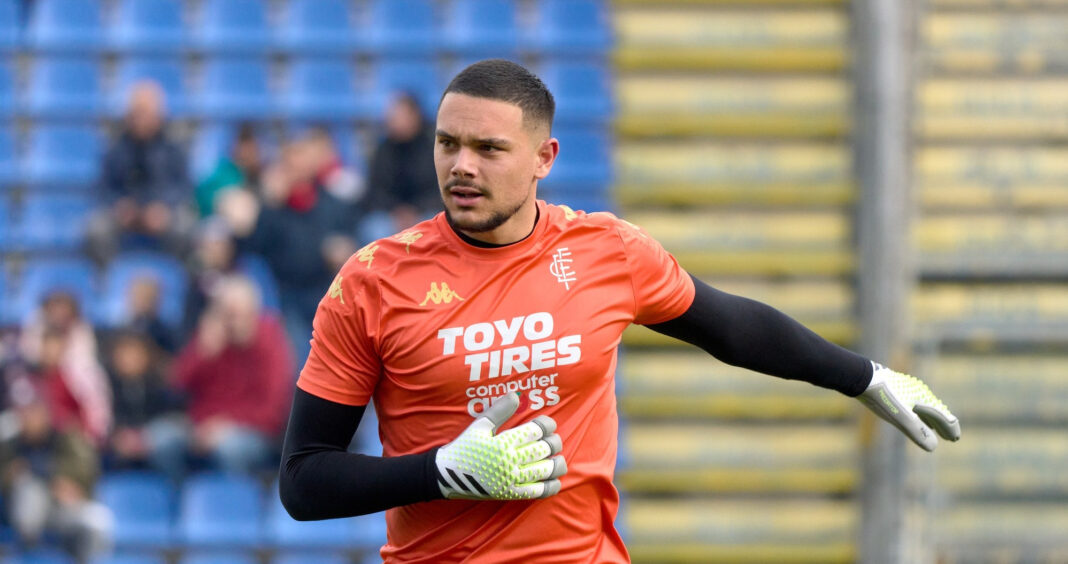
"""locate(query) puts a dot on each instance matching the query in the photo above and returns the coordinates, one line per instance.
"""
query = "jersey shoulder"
(567, 219)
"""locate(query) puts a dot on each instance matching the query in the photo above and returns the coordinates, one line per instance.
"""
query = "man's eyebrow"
(496, 141)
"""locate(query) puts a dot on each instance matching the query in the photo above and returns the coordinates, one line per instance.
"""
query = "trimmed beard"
(492, 222)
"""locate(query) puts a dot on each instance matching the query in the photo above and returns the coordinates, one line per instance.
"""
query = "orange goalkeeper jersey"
(432, 328)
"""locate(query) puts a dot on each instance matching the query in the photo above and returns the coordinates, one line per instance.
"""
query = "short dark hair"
(501, 79)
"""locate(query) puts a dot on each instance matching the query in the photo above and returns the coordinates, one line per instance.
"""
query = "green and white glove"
(908, 404)
(520, 463)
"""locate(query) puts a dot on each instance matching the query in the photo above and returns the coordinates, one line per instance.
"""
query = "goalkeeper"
(487, 336)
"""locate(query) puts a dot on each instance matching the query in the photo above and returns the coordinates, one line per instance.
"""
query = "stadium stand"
(731, 151)
(40, 276)
(234, 88)
(61, 155)
(10, 28)
(127, 268)
(64, 87)
(148, 27)
(476, 28)
(403, 27)
(991, 177)
(166, 71)
(144, 505)
(323, 89)
(66, 25)
(220, 511)
(52, 223)
(316, 27)
(9, 172)
(233, 26)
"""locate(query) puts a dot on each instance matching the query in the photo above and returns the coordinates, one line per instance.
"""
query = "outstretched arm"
(753, 335)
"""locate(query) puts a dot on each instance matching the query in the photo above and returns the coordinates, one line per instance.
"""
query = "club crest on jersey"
(561, 267)
(440, 294)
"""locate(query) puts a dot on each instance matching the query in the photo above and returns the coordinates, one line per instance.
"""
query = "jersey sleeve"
(344, 365)
(662, 289)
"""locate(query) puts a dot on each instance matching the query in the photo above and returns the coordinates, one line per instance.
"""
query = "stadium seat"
(220, 558)
(323, 88)
(144, 505)
(41, 276)
(166, 71)
(418, 76)
(482, 28)
(307, 557)
(210, 143)
(40, 556)
(64, 87)
(10, 24)
(571, 27)
(236, 88)
(318, 27)
(65, 25)
(220, 510)
(366, 532)
(9, 173)
(8, 97)
(127, 268)
(6, 233)
(582, 90)
(584, 161)
(62, 154)
(148, 26)
(54, 222)
(131, 559)
(403, 27)
(233, 26)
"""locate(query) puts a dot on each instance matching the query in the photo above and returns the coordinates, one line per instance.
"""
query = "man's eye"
(445, 142)
(489, 148)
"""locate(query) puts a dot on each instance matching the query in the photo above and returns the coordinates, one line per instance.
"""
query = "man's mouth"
(465, 195)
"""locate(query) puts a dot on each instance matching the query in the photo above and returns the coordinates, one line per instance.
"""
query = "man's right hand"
(520, 463)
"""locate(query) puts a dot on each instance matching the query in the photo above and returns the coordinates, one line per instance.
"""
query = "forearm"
(753, 335)
(320, 480)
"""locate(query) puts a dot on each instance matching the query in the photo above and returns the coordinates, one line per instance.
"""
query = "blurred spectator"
(144, 183)
(148, 414)
(299, 228)
(331, 174)
(143, 300)
(402, 177)
(47, 478)
(240, 169)
(58, 334)
(237, 375)
(214, 258)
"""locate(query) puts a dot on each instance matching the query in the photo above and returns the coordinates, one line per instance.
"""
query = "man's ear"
(546, 156)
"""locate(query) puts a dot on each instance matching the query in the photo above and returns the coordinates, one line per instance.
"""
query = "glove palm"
(908, 404)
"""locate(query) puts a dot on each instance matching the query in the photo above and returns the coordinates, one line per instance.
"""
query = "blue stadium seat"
(403, 27)
(64, 87)
(584, 162)
(40, 556)
(220, 510)
(236, 88)
(220, 558)
(9, 168)
(65, 25)
(234, 26)
(167, 71)
(8, 97)
(308, 557)
(148, 26)
(582, 90)
(54, 222)
(571, 27)
(323, 88)
(318, 27)
(62, 154)
(131, 559)
(41, 276)
(126, 268)
(10, 24)
(418, 76)
(482, 28)
(282, 531)
(210, 142)
(6, 234)
(144, 505)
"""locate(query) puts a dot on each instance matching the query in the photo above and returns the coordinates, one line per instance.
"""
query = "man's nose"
(465, 165)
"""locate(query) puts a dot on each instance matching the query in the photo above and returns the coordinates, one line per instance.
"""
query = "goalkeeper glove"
(516, 464)
(908, 404)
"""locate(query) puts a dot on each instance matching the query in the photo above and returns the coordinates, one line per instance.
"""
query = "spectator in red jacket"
(236, 372)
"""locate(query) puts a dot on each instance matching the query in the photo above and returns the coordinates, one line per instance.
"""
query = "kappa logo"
(439, 295)
(367, 254)
(561, 267)
(408, 237)
(335, 290)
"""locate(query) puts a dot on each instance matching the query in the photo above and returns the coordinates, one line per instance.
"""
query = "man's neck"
(487, 245)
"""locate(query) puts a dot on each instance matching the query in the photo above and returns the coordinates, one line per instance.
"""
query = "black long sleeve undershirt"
(746, 333)
(320, 480)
